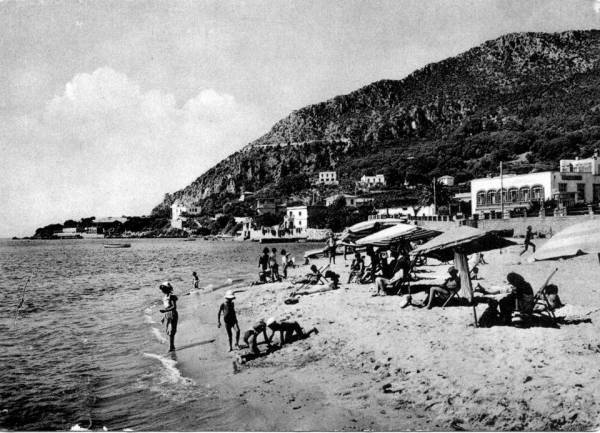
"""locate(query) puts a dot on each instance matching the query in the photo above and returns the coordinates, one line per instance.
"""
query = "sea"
(81, 344)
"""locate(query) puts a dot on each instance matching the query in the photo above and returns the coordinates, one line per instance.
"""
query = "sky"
(105, 106)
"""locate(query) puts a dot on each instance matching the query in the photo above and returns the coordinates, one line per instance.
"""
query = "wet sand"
(374, 365)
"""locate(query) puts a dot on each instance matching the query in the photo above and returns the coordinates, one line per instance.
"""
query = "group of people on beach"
(386, 269)
(288, 330)
(269, 268)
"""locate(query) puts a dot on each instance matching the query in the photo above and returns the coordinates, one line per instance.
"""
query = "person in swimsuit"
(170, 317)
(252, 334)
(274, 266)
(451, 284)
(227, 308)
(527, 243)
(196, 280)
(331, 247)
(287, 330)
(357, 268)
(263, 265)
(284, 263)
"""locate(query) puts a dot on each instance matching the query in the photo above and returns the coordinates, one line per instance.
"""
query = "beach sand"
(376, 366)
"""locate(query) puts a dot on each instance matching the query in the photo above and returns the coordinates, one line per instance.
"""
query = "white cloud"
(106, 146)
(597, 6)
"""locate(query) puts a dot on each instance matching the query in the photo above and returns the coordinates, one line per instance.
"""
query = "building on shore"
(405, 211)
(577, 182)
(298, 219)
(271, 205)
(180, 213)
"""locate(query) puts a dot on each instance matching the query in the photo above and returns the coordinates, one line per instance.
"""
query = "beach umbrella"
(396, 234)
(365, 228)
(457, 244)
(582, 238)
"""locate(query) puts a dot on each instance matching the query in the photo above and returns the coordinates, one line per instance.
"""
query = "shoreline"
(375, 366)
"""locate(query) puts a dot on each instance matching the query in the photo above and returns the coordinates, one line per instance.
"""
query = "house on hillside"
(298, 219)
(272, 205)
(327, 178)
(446, 180)
(349, 199)
(373, 181)
(180, 212)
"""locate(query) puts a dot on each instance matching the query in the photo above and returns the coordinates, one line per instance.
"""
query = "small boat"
(189, 239)
(117, 245)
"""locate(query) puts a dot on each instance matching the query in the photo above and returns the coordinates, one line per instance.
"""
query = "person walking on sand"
(170, 317)
(227, 308)
(195, 280)
(527, 243)
(287, 330)
(274, 266)
(331, 247)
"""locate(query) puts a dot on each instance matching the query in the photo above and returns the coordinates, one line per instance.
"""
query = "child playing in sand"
(252, 334)
(287, 330)
(230, 319)
(170, 317)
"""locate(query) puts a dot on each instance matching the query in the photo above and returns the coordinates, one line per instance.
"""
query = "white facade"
(296, 217)
(378, 179)
(177, 212)
(446, 180)
(328, 178)
(588, 165)
(520, 191)
(400, 211)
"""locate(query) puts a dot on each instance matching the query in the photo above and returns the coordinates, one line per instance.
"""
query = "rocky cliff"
(531, 94)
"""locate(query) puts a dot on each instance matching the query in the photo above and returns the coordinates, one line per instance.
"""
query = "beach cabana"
(582, 238)
(457, 244)
(366, 228)
(396, 234)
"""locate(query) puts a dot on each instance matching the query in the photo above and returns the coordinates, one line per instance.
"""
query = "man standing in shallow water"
(230, 319)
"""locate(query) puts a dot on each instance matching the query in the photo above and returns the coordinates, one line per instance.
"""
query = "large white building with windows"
(577, 182)
(328, 178)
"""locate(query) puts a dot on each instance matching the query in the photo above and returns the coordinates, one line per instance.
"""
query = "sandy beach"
(377, 366)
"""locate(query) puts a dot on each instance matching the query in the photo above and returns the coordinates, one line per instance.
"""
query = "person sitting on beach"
(315, 277)
(334, 278)
(287, 330)
(195, 280)
(274, 266)
(357, 268)
(388, 286)
(227, 308)
(252, 334)
(517, 295)
(551, 292)
(263, 266)
(374, 266)
(450, 285)
(171, 316)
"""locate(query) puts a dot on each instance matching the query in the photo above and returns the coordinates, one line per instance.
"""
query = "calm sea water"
(85, 348)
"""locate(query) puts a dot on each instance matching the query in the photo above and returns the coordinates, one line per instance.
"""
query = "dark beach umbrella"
(457, 244)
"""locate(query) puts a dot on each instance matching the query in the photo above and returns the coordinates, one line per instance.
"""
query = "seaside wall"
(546, 225)
(316, 234)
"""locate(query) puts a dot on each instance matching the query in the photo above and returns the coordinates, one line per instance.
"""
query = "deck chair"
(404, 283)
(453, 293)
(537, 305)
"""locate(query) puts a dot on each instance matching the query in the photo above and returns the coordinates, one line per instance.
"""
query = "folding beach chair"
(537, 305)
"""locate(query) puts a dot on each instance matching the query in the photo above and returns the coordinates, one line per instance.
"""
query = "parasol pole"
(461, 263)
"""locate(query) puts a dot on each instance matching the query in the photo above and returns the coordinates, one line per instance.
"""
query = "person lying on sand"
(287, 331)
(314, 277)
(450, 285)
(252, 334)
(230, 319)
(171, 316)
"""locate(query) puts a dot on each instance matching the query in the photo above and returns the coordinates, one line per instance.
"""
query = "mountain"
(523, 94)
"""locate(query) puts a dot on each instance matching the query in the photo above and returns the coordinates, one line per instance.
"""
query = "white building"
(328, 178)
(351, 200)
(370, 181)
(588, 165)
(490, 195)
(401, 211)
(446, 180)
(179, 213)
(296, 218)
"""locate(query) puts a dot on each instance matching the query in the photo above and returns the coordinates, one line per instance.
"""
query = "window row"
(512, 195)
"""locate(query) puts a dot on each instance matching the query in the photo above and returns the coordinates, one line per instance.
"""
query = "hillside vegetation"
(531, 94)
